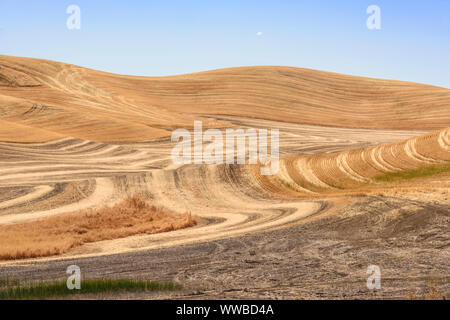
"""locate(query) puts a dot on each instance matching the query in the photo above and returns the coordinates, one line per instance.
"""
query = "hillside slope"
(51, 99)
(423, 156)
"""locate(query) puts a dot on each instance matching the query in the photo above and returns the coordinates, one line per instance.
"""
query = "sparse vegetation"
(59, 234)
(420, 172)
(14, 289)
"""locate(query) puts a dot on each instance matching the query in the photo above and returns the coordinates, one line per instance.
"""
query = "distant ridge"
(41, 100)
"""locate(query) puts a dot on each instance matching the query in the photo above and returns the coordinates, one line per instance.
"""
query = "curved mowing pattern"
(355, 167)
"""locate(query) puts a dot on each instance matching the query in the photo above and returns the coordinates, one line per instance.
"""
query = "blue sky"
(173, 37)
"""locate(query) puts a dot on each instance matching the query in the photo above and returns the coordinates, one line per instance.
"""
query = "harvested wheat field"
(364, 179)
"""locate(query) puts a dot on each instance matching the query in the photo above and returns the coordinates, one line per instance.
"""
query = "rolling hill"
(41, 100)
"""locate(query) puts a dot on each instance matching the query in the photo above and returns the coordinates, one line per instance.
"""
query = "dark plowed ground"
(328, 258)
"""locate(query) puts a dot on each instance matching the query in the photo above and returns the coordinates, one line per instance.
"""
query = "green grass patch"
(393, 258)
(14, 289)
(420, 172)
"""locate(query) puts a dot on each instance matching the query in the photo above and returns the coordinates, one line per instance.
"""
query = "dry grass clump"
(59, 234)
